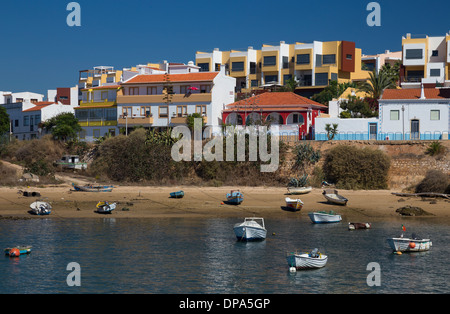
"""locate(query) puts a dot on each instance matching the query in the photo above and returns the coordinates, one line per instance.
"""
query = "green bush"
(434, 182)
(354, 168)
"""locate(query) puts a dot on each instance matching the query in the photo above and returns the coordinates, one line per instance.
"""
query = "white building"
(415, 114)
(26, 111)
(404, 114)
(161, 101)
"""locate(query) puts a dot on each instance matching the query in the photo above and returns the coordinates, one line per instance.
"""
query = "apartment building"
(376, 62)
(27, 111)
(425, 61)
(164, 100)
(312, 65)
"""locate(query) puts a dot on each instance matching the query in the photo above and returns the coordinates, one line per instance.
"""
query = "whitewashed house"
(26, 111)
(415, 114)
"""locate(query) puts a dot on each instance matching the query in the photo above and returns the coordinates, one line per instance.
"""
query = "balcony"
(135, 121)
(183, 119)
(160, 99)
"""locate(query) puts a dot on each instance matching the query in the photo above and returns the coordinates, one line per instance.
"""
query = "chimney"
(422, 93)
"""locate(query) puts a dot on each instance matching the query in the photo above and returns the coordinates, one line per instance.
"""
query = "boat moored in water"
(324, 217)
(251, 229)
(413, 244)
(313, 259)
(359, 225)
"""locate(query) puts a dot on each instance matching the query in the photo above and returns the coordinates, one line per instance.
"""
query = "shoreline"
(206, 202)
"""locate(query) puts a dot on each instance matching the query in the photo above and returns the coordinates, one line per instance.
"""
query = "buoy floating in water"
(14, 252)
(398, 252)
(292, 269)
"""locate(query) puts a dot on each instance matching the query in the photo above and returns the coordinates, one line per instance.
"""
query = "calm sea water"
(202, 256)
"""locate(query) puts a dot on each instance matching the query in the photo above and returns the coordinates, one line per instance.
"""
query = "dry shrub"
(435, 182)
(36, 156)
(8, 176)
(355, 168)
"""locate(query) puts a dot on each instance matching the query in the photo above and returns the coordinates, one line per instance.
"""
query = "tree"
(4, 121)
(377, 83)
(331, 130)
(190, 119)
(290, 85)
(392, 71)
(63, 126)
(334, 90)
(355, 107)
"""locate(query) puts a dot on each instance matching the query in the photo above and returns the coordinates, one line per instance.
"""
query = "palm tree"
(377, 83)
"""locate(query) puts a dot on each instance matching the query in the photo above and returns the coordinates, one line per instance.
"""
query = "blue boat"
(18, 250)
(235, 197)
(177, 194)
(93, 188)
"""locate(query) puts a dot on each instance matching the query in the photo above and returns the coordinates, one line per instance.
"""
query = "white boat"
(324, 217)
(334, 197)
(412, 244)
(313, 259)
(299, 190)
(251, 229)
(40, 208)
(295, 204)
(105, 207)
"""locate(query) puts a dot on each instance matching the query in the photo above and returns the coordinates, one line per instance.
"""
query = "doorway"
(415, 135)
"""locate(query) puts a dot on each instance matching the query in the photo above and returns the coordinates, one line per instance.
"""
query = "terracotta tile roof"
(39, 105)
(160, 78)
(275, 101)
(414, 93)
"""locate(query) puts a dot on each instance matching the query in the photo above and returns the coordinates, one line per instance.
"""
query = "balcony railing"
(135, 120)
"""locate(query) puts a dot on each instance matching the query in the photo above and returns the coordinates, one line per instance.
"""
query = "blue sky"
(38, 51)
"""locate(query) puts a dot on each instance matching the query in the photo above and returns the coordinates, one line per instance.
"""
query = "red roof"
(161, 78)
(414, 93)
(39, 105)
(275, 101)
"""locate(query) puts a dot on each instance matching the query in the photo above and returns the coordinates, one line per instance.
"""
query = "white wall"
(420, 110)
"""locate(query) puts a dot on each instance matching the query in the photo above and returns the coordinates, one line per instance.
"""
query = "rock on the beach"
(412, 211)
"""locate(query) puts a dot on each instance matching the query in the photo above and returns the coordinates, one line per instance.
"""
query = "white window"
(435, 115)
(395, 114)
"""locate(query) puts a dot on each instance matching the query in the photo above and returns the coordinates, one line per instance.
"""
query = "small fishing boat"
(294, 204)
(299, 190)
(18, 250)
(251, 229)
(93, 188)
(359, 225)
(334, 197)
(313, 259)
(105, 207)
(235, 197)
(413, 244)
(324, 217)
(40, 208)
(177, 194)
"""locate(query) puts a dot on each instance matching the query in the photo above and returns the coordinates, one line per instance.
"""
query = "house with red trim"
(293, 113)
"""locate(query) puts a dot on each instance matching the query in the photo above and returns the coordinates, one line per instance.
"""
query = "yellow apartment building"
(425, 60)
(312, 65)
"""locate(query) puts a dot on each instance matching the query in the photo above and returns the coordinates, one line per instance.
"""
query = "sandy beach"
(207, 202)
